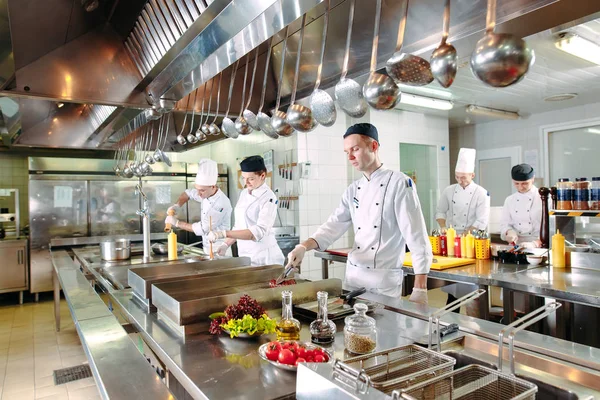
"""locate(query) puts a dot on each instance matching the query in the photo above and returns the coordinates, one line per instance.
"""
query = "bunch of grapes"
(215, 325)
(273, 283)
(246, 305)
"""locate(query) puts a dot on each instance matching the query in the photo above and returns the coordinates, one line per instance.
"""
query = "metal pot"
(162, 248)
(115, 250)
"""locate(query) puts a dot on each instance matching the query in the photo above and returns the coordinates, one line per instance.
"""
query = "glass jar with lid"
(564, 198)
(360, 332)
(581, 194)
(595, 194)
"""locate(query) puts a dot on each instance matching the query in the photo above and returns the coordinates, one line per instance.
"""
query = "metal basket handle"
(445, 310)
(360, 379)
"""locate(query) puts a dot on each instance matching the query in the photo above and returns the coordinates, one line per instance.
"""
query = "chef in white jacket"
(214, 204)
(254, 214)
(464, 206)
(522, 211)
(385, 213)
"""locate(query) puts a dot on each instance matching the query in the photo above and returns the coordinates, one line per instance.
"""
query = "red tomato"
(272, 351)
(286, 357)
(326, 357)
(286, 345)
(309, 353)
(310, 359)
(299, 360)
(319, 358)
(318, 351)
(301, 352)
(295, 346)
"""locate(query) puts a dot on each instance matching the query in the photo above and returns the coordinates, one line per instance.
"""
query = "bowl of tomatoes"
(288, 354)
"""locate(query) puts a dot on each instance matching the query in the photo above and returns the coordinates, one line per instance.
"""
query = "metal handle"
(449, 308)
(266, 75)
(360, 380)
(323, 40)
(298, 57)
(348, 39)
(283, 50)
(375, 37)
(402, 29)
(253, 76)
(518, 326)
(20, 258)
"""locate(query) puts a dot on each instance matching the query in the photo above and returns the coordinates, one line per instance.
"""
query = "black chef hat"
(363, 129)
(522, 172)
(253, 164)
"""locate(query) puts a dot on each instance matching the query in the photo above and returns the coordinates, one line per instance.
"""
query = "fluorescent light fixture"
(579, 47)
(425, 91)
(491, 112)
(594, 130)
(428, 102)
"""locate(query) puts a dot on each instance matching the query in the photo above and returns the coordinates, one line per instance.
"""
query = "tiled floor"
(31, 349)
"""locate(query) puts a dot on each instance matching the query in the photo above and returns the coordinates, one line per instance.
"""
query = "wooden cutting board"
(340, 252)
(442, 262)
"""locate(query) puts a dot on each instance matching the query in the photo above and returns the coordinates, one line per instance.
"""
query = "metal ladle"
(199, 135)
(379, 90)
(298, 116)
(159, 154)
(278, 121)
(248, 114)
(241, 125)
(444, 60)
(321, 103)
(500, 59)
(264, 121)
(348, 93)
(191, 138)
(228, 126)
(205, 126)
(180, 138)
(213, 128)
(406, 68)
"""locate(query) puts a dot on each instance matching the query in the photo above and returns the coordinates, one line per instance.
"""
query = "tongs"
(284, 274)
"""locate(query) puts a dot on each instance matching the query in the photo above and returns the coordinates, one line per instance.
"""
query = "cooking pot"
(115, 250)
(162, 248)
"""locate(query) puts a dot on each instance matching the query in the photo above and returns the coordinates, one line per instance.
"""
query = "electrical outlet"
(305, 170)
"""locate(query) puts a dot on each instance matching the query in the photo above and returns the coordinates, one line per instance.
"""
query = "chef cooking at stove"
(384, 210)
(522, 211)
(215, 204)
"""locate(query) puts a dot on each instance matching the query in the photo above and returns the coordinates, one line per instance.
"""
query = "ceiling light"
(428, 102)
(594, 130)
(561, 97)
(425, 91)
(491, 112)
(579, 47)
(60, 105)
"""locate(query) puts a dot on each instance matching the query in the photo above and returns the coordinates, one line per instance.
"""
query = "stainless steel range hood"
(126, 54)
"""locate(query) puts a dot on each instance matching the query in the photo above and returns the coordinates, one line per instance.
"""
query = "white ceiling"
(554, 72)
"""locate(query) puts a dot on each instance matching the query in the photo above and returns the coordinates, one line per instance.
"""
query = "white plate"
(263, 348)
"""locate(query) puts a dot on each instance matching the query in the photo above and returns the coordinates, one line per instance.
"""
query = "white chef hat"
(466, 161)
(207, 173)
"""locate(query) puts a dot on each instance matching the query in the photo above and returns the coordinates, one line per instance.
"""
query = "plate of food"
(288, 354)
(247, 319)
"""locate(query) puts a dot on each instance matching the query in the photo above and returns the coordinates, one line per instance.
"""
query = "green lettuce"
(250, 325)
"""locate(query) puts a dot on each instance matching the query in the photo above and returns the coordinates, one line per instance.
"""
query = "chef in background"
(522, 211)
(383, 209)
(213, 202)
(254, 214)
(465, 206)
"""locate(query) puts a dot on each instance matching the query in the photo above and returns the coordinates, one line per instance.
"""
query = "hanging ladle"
(200, 135)
(298, 116)
(205, 126)
(278, 121)
(444, 60)
(180, 138)
(159, 154)
(321, 103)
(213, 128)
(348, 93)
(191, 138)
(241, 125)
(228, 126)
(379, 90)
(264, 121)
(248, 114)
(500, 59)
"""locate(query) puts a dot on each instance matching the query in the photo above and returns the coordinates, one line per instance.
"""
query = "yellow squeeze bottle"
(470, 245)
(450, 236)
(172, 245)
(558, 250)
(463, 247)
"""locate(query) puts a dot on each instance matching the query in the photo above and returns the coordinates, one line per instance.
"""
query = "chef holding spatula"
(385, 212)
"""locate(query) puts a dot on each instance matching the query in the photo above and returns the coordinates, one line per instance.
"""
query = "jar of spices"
(360, 333)
(564, 194)
(595, 194)
(581, 194)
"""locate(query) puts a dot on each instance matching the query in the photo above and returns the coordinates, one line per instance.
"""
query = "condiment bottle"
(444, 245)
(450, 236)
(288, 328)
(322, 330)
(457, 247)
(463, 246)
(470, 245)
(360, 333)
(558, 250)
(595, 194)
(564, 194)
(581, 194)
(172, 245)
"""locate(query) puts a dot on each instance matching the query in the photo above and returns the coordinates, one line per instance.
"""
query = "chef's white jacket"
(462, 208)
(522, 212)
(257, 212)
(217, 206)
(386, 215)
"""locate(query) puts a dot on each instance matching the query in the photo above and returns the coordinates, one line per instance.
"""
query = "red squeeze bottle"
(444, 245)
(457, 247)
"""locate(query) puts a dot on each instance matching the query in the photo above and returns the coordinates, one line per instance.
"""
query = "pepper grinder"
(545, 225)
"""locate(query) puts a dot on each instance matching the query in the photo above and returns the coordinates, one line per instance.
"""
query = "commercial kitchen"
(341, 199)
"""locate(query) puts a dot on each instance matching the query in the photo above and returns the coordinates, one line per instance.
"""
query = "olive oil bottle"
(288, 328)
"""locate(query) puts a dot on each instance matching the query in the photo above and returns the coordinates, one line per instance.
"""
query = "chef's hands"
(171, 220)
(222, 249)
(419, 296)
(532, 245)
(175, 208)
(213, 236)
(511, 236)
(295, 256)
